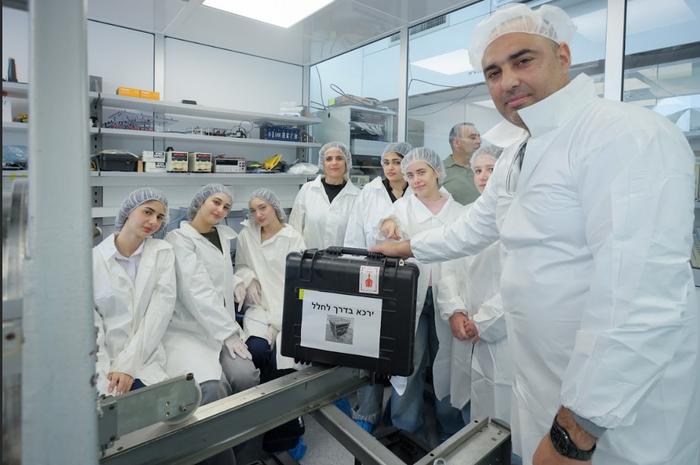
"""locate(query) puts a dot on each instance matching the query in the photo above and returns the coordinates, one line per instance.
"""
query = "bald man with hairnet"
(601, 310)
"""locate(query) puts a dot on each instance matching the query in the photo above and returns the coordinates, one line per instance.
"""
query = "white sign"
(369, 279)
(341, 323)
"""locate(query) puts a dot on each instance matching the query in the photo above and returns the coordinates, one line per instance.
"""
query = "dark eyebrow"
(511, 57)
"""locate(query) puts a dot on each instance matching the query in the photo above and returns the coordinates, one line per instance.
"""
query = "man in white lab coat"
(600, 305)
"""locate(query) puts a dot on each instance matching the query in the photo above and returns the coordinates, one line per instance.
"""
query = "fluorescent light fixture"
(283, 13)
(450, 63)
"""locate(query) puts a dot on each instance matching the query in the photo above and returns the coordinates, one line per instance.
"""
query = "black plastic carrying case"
(349, 307)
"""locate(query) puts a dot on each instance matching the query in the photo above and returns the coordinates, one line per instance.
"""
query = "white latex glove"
(236, 347)
(254, 292)
(271, 335)
(239, 295)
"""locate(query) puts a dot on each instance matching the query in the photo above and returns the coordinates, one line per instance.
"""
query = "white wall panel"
(222, 78)
(123, 57)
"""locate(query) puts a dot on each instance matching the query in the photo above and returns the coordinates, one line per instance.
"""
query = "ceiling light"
(450, 63)
(283, 13)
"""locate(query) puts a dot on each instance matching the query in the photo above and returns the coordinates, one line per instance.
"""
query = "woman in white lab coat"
(470, 300)
(427, 207)
(261, 253)
(204, 335)
(322, 206)
(374, 203)
(134, 295)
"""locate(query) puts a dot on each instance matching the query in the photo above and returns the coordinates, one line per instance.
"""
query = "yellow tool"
(272, 162)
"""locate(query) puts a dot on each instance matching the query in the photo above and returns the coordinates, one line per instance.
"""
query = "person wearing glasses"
(373, 204)
(601, 310)
(464, 141)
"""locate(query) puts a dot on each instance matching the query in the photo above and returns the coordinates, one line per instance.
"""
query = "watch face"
(560, 439)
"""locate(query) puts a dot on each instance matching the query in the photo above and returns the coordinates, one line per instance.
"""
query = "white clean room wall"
(222, 78)
(123, 57)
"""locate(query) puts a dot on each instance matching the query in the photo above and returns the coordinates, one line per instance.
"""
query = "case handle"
(353, 251)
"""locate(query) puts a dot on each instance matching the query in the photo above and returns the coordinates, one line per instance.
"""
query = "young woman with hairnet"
(374, 203)
(261, 255)
(469, 299)
(428, 206)
(134, 294)
(322, 206)
(204, 337)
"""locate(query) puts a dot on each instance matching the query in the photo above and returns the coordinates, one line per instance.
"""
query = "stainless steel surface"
(171, 401)
(365, 447)
(481, 442)
(14, 240)
(230, 421)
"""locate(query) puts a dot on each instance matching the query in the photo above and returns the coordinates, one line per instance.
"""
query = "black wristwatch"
(564, 445)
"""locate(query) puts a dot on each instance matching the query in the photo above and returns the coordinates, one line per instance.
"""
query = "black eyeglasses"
(513, 172)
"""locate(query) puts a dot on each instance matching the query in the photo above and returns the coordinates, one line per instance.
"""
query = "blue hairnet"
(136, 198)
(428, 156)
(269, 197)
(492, 151)
(402, 148)
(203, 194)
(335, 145)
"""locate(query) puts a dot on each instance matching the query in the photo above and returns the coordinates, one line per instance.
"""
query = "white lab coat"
(473, 284)
(321, 223)
(601, 310)
(412, 217)
(131, 317)
(204, 312)
(266, 262)
(371, 206)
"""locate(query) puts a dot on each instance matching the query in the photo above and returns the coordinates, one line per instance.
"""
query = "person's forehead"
(222, 197)
(417, 165)
(392, 156)
(154, 205)
(502, 48)
(334, 152)
(484, 159)
(255, 202)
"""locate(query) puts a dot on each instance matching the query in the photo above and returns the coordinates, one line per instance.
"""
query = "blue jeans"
(369, 403)
(407, 409)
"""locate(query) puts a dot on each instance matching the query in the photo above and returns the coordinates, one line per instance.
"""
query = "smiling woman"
(134, 289)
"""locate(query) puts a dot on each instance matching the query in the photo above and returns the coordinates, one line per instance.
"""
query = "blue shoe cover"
(298, 451)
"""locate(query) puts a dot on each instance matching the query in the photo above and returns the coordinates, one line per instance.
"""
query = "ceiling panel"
(339, 27)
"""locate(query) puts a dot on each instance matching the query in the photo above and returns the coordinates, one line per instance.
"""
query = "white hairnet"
(136, 198)
(402, 148)
(492, 151)
(269, 197)
(429, 156)
(203, 194)
(548, 21)
(335, 145)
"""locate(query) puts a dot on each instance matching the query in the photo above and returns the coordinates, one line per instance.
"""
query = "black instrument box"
(351, 308)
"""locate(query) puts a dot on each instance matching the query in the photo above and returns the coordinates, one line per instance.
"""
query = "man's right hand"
(390, 229)
(394, 249)
(458, 325)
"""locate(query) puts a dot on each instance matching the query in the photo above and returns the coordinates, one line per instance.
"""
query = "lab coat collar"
(286, 231)
(422, 213)
(225, 232)
(555, 110)
(108, 249)
(348, 189)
